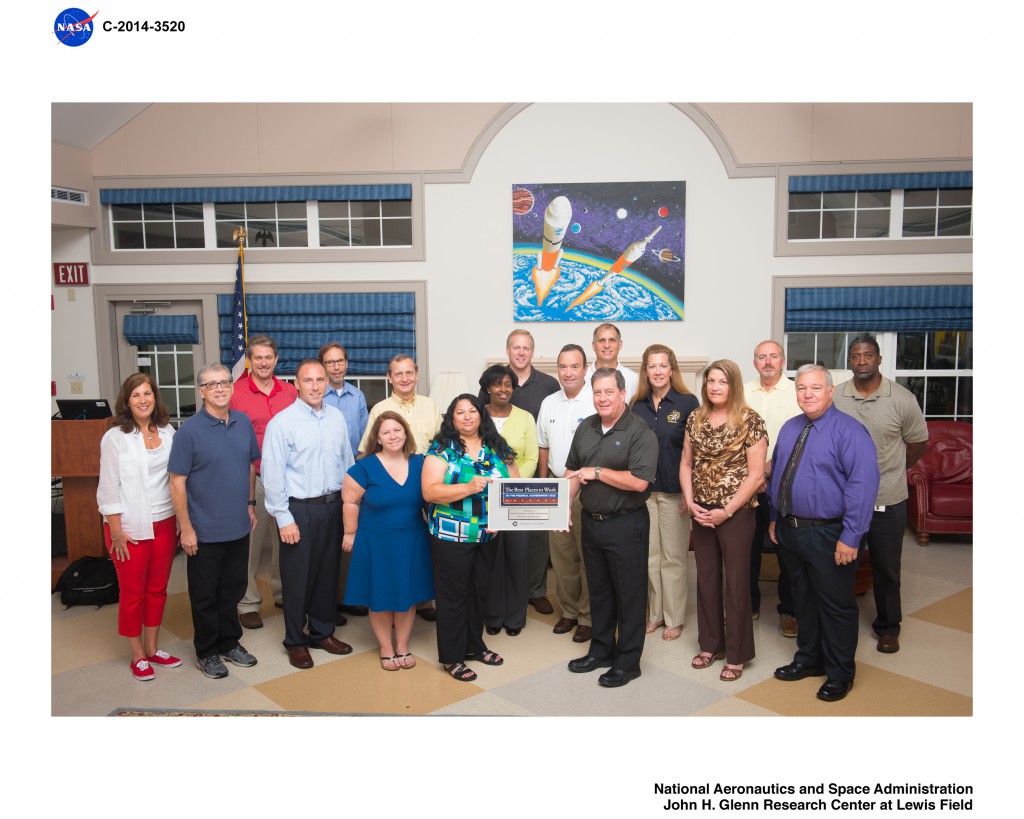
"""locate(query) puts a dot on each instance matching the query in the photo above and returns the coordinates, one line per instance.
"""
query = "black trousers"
(823, 595)
(507, 558)
(218, 574)
(885, 540)
(460, 582)
(762, 517)
(309, 573)
(615, 558)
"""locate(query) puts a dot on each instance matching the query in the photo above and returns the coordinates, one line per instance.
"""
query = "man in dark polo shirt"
(612, 461)
(534, 387)
(212, 469)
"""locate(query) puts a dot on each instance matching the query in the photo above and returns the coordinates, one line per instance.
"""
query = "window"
(820, 213)
(371, 224)
(839, 215)
(270, 224)
(936, 366)
(171, 366)
(157, 226)
(285, 217)
(938, 212)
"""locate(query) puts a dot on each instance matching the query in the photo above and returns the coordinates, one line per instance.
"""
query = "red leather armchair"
(941, 484)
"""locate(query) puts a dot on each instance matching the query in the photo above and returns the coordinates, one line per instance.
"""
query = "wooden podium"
(75, 458)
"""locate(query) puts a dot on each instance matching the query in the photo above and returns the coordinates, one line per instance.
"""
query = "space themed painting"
(601, 251)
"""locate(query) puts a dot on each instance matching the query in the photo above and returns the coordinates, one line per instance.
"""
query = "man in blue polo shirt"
(352, 404)
(212, 469)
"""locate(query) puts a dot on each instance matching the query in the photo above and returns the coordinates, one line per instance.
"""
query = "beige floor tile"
(876, 693)
(359, 686)
(955, 611)
(734, 707)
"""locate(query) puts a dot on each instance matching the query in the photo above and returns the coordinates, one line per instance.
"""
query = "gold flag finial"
(239, 235)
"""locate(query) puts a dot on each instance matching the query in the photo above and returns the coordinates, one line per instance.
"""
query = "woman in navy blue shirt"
(664, 402)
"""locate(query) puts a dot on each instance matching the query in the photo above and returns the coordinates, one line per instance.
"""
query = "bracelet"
(728, 514)
(351, 533)
(117, 537)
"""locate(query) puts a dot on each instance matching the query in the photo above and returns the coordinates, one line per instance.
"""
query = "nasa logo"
(73, 27)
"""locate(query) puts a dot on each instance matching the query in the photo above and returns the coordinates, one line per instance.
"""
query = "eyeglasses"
(212, 385)
(335, 362)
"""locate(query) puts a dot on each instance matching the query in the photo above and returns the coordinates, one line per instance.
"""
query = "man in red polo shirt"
(261, 396)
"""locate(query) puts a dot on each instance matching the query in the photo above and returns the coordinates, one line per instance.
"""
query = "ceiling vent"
(68, 195)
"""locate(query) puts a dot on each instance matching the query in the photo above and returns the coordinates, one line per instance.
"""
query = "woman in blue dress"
(386, 532)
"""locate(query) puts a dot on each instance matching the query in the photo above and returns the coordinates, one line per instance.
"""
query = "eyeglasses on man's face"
(214, 385)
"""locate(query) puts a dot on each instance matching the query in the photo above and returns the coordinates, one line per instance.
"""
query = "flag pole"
(239, 235)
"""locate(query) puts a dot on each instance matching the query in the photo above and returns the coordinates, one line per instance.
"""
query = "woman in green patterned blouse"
(465, 455)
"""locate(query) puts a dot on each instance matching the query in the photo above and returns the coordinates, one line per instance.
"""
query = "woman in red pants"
(134, 498)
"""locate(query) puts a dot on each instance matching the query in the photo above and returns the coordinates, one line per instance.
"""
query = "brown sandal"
(730, 673)
(671, 632)
(704, 660)
(389, 663)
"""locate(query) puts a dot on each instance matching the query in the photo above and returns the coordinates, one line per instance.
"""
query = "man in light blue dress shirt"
(306, 453)
(352, 403)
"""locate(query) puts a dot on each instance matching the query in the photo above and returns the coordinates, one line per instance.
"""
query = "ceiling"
(85, 125)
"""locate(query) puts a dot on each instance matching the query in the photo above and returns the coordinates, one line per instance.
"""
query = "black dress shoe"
(797, 671)
(581, 665)
(834, 690)
(492, 630)
(617, 677)
(340, 619)
(513, 632)
(355, 611)
(429, 614)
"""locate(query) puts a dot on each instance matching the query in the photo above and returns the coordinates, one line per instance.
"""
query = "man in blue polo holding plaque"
(612, 461)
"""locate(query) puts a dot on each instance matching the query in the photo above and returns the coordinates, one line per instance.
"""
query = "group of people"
(405, 527)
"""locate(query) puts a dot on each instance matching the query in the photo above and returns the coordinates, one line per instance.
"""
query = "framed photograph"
(528, 503)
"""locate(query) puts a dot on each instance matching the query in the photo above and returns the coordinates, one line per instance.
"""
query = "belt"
(799, 523)
(331, 498)
(597, 516)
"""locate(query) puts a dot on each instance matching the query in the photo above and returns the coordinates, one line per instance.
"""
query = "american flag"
(239, 321)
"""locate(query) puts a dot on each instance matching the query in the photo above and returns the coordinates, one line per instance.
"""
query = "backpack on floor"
(89, 581)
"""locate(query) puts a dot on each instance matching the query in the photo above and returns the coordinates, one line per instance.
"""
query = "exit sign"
(71, 274)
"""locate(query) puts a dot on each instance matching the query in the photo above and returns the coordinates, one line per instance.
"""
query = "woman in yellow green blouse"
(506, 556)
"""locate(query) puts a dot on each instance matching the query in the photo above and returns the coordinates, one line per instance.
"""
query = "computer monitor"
(80, 409)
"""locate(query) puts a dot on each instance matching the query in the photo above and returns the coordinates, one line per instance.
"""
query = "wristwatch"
(597, 473)
(252, 502)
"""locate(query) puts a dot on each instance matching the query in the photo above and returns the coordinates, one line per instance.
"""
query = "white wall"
(73, 326)
(729, 261)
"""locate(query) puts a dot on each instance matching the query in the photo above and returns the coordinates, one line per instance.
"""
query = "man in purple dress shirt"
(824, 480)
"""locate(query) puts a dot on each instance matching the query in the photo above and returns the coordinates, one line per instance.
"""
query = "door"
(173, 366)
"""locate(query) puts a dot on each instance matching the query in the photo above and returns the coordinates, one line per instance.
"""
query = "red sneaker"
(163, 659)
(142, 670)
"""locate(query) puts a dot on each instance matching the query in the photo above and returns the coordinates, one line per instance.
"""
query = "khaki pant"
(266, 529)
(567, 561)
(668, 560)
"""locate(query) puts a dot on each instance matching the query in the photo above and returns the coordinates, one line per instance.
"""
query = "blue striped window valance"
(372, 327)
(140, 330)
(910, 309)
(881, 181)
(281, 193)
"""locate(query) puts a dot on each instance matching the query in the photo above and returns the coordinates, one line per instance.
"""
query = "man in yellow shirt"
(419, 412)
(772, 396)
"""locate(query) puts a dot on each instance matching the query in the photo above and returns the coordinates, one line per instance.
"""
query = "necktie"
(786, 486)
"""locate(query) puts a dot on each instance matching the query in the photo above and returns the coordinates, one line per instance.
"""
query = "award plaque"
(540, 504)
